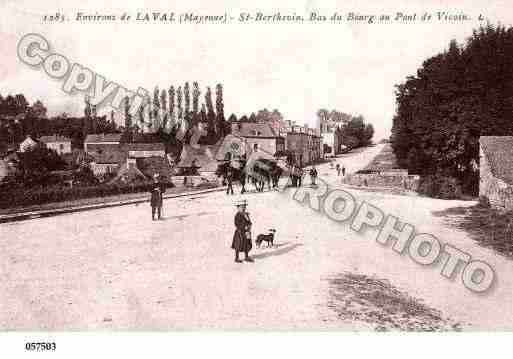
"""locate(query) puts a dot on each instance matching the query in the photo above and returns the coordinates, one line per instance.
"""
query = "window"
(61, 147)
(255, 147)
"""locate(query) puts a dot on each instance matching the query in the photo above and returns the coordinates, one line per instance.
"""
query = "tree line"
(173, 112)
(455, 97)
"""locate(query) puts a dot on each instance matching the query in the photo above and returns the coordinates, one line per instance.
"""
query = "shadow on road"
(277, 252)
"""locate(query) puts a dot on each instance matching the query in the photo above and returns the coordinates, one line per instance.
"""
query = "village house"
(98, 143)
(259, 137)
(145, 158)
(27, 144)
(305, 144)
(107, 161)
(60, 144)
(332, 143)
(496, 170)
(143, 161)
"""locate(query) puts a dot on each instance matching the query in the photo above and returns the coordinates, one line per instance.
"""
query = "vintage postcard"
(225, 166)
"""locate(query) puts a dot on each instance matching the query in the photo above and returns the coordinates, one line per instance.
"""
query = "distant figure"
(229, 181)
(338, 169)
(313, 175)
(157, 191)
(343, 171)
(242, 181)
(242, 237)
(299, 176)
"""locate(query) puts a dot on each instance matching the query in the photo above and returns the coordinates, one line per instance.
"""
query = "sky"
(295, 68)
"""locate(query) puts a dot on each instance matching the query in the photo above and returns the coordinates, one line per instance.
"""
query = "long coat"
(157, 190)
(242, 236)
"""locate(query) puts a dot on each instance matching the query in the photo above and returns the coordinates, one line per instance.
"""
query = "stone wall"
(399, 180)
(498, 192)
(195, 181)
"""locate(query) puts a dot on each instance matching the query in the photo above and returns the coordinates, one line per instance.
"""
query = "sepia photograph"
(223, 168)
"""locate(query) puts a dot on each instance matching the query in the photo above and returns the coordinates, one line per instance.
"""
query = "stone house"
(496, 170)
(259, 136)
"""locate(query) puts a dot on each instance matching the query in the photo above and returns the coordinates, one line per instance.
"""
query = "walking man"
(157, 190)
(338, 169)
(242, 237)
(343, 171)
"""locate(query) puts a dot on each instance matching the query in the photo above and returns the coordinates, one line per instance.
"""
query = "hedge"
(17, 196)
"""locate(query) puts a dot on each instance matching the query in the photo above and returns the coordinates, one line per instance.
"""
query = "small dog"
(269, 238)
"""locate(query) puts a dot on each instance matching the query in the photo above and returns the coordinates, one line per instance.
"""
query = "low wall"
(499, 194)
(400, 180)
(195, 181)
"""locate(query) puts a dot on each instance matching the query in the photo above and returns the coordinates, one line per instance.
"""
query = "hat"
(241, 203)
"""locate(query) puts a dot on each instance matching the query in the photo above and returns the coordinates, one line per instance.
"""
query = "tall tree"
(171, 94)
(195, 97)
(211, 116)
(221, 121)
(179, 104)
(187, 99)
(164, 112)
(156, 108)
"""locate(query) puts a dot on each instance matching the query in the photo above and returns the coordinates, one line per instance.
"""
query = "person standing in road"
(313, 175)
(242, 236)
(343, 171)
(338, 169)
(242, 181)
(229, 181)
(157, 191)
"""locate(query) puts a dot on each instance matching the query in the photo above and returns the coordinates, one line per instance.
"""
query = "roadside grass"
(376, 302)
(489, 227)
(384, 160)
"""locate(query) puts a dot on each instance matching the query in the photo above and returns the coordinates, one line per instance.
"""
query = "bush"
(440, 186)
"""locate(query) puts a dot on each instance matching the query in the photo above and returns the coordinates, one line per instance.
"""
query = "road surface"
(114, 268)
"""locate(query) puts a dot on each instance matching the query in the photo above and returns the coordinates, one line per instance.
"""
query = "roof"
(29, 139)
(54, 138)
(144, 146)
(154, 164)
(111, 156)
(146, 138)
(204, 157)
(103, 137)
(251, 129)
(499, 153)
